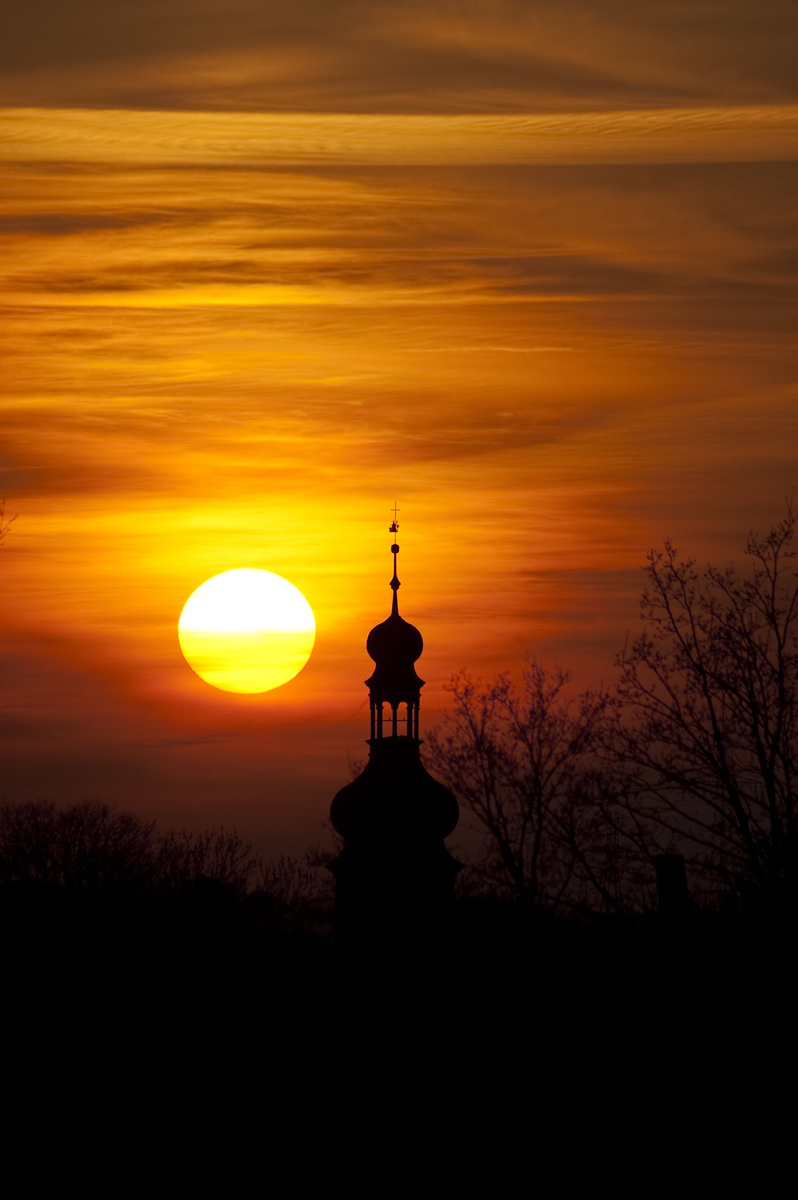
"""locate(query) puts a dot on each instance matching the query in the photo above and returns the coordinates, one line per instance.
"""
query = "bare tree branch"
(706, 713)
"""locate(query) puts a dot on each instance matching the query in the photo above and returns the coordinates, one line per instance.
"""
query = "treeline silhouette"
(98, 906)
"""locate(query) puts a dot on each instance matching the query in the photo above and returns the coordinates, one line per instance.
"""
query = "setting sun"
(246, 631)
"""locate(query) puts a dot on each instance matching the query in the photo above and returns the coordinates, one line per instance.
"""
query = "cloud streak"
(756, 133)
(408, 56)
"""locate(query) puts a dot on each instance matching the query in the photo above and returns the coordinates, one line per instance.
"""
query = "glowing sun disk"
(246, 631)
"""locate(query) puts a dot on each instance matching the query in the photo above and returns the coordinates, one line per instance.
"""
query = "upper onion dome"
(394, 642)
(395, 645)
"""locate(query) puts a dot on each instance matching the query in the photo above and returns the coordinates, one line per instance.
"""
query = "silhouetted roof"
(395, 645)
(394, 798)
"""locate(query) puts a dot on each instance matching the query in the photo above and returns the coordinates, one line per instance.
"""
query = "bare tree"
(219, 855)
(295, 886)
(521, 764)
(706, 715)
(89, 846)
(95, 847)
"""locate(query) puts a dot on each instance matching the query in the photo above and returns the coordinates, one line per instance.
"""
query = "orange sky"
(529, 270)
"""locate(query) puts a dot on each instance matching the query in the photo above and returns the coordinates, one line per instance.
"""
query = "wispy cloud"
(399, 56)
(729, 134)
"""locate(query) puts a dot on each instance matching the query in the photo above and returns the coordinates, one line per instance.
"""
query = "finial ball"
(394, 549)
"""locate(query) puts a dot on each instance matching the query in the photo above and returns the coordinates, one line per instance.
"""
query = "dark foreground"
(215, 960)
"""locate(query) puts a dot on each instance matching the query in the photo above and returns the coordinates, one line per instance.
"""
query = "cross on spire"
(395, 526)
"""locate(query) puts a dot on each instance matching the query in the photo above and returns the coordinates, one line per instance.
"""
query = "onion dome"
(395, 645)
(394, 799)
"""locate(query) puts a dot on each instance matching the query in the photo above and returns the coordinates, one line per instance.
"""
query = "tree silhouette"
(95, 847)
(521, 764)
(182, 857)
(706, 715)
(88, 846)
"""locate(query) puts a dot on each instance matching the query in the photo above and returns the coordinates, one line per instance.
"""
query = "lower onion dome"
(395, 798)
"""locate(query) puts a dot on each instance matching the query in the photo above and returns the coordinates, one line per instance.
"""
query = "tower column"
(394, 878)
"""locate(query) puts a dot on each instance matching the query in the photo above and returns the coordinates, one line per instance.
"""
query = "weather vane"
(395, 526)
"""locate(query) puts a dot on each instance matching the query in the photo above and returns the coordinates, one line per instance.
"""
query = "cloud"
(722, 134)
(565, 274)
(57, 224)
(402, 55)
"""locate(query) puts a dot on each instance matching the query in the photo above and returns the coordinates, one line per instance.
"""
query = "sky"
(525, 269)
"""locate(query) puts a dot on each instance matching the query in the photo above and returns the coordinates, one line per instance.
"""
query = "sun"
(246, 631)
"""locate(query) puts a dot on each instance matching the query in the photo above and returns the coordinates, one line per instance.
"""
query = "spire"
(395, 584)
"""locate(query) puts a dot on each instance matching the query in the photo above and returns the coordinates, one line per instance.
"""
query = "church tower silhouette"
(394, 878)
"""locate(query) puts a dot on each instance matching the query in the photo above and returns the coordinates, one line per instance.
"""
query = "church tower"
(394, 878)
